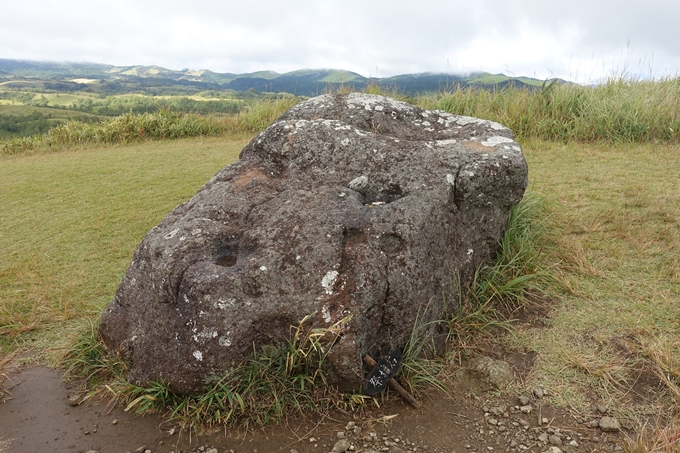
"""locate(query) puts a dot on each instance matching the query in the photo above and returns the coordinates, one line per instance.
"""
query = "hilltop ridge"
(305, 82)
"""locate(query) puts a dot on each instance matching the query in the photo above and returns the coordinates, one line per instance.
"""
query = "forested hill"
(110, 79)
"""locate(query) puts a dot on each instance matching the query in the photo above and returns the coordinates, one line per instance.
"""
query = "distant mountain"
(158, 80)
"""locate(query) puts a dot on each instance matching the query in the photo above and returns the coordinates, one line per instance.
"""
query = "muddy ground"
(35, 416)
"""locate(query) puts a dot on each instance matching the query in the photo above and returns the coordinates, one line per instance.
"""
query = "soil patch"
(36, 416)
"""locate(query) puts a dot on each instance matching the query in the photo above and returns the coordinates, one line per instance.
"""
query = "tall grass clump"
(505, 284)
(123, 129)
(258, 116)
(160, 125)
(619, 110)
(420, 365)
(279, 380)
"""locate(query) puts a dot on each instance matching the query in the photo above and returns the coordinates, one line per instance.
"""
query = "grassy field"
(613, 335)
(610, 185)
(72, 220)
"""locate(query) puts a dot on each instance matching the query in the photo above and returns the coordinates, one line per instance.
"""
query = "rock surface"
(485, 373)
(609, 424)
(349, 205)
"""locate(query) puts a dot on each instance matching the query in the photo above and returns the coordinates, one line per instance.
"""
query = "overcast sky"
(580, 40)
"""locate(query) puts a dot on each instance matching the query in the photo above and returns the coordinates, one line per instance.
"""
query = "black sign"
(382, 372)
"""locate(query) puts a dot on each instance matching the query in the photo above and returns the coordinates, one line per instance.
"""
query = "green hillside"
(156, 80)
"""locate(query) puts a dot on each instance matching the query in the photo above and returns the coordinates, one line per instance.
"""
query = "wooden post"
(396, 386)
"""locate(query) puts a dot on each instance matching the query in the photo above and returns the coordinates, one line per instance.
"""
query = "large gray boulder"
(348, 205)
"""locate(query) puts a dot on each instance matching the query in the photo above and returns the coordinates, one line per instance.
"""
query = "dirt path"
(36, 416)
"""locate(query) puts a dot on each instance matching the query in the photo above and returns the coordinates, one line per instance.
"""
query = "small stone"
(141, 449)
(555, 440)
(292, 450)
(357, 430)
(513, 443)
(601, 408)
(538, 392)
(609, 424)
(573, 443)
(340, 434)
(312, 440)
(350, 426)
(526, 409)
(492, 421)
(554, 450)
(341, 446)
(74, 401)
(545, 421)
(497, 410)
(86, 433)
(543, 437)
(172, 431)
(211, 450)
(523, 400)
(114, 422)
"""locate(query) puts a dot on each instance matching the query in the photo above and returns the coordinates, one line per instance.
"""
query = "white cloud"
(578, 39)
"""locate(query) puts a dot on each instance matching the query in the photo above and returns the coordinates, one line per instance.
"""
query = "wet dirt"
(35, 416)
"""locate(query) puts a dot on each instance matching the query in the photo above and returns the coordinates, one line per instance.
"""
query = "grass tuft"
(421, 367)
(619, 110)
(662, 438)
(160, 125)
(278, 381)
(508, 282)
(663, 353)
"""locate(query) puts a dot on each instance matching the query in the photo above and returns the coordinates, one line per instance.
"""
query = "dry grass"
(614, 236)
(658, 437)
(663, 353)
(5, 363)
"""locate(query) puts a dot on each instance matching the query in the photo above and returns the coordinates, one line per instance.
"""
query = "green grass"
(160, 125)
(72, 220)
(277, 382)
(518, 273)
(618, 111)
